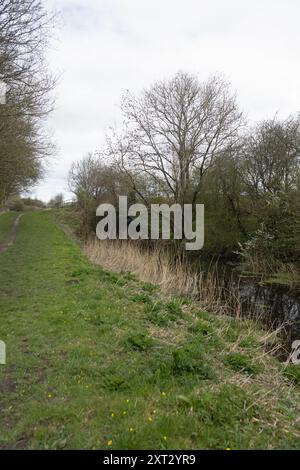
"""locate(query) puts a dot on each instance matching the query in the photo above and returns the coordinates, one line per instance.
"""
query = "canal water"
(274, 304)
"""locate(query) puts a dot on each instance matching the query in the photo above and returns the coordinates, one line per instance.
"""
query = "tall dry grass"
(175, 275)
(170, 271)
(270, 267)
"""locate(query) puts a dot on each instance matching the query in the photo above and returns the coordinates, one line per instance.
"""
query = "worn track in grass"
(10, 241)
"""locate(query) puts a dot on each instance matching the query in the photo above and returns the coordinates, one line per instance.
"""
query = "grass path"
(10, 238)
(6, 221)
(99, 360)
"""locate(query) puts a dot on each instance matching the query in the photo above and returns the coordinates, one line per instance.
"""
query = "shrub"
(161, 313)
(140, 341)
(201, 327)
(292, 372)
(16, 205)
(189, 360)
(226, 406)
(242, 363)
(174, 309)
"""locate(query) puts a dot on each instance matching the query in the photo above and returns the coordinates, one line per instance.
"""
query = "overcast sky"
(104, 47)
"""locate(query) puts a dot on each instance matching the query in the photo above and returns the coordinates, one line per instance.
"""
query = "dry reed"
(170, 271)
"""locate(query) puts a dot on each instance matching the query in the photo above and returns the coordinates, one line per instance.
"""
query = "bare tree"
(24, 31)
(174, 130)
(270, 159)
(91, 179)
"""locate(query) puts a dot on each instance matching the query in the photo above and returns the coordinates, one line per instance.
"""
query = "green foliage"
(224, 407)
(150, 288)
(163, 313)
(201, 327)
(190, 360)
(16, 204)
(141, 297)
(114, 382)
(241, 363)
(292, 372)
(139, 341)
(174, 309)
(33, 203)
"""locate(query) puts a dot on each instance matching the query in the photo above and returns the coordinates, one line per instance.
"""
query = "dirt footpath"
(10, 241)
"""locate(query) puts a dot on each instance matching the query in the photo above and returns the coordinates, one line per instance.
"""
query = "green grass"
(292, 372)
(6, 220)
(99, 360)
(240, 362)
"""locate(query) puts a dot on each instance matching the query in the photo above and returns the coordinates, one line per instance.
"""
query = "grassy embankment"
(101, 360)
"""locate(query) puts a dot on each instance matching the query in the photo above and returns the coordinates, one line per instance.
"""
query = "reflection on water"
(273, 304)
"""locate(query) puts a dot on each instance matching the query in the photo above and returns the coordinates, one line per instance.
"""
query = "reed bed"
(169, 269)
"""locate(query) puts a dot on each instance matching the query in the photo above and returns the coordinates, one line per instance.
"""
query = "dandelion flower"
(109, 443)
(150, 419)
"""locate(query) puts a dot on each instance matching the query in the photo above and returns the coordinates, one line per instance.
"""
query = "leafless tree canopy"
(186, 141)
(174, 131)
(24, 32)
(92, 179)
(271, 156)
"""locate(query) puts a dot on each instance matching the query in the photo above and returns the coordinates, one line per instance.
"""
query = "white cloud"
(108, 46)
